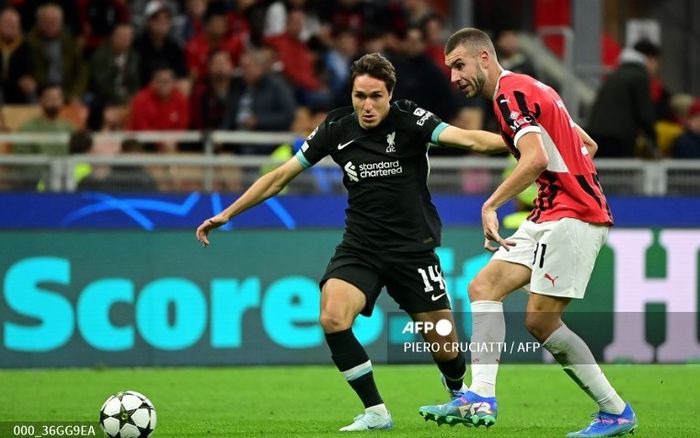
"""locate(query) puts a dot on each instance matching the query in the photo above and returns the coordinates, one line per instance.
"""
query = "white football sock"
(574, 355)
(488, 334)
(378, 409)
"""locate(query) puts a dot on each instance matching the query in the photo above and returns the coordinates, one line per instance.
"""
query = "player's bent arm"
(533, 161)
(474, 140)
(263, 188)
(588, 142)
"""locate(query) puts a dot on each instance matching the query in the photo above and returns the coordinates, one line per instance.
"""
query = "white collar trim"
(498, 82)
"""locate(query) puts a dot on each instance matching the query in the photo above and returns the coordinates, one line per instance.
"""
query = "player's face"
(466, 71)
(370, 98)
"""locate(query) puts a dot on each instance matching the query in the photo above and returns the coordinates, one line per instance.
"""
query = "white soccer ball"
(128, 414)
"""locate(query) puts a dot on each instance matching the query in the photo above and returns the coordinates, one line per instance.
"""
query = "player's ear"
(484, 58)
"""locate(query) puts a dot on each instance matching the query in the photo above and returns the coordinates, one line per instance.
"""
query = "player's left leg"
(415, 282)
(506, 272)
(543, 321)
(479, 406)
(564, 261)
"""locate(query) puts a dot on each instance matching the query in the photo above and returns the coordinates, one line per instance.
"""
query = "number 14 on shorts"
(434, 276)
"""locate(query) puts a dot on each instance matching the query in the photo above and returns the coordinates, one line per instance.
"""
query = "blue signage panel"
(89, 210)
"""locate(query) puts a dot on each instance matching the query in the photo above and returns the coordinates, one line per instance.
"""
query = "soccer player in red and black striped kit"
(552, 253)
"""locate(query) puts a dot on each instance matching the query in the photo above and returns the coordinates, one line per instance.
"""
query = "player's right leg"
(478, 405)
(341, 302)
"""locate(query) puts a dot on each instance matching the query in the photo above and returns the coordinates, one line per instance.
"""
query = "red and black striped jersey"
(569, 187)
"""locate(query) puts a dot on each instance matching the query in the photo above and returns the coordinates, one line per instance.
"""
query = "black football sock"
(454, 370)
(352, 360)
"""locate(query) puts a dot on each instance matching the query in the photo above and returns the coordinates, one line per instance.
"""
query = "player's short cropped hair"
(472, 39)
(376, 66)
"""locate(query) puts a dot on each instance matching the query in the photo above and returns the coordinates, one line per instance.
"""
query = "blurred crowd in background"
(277, 65)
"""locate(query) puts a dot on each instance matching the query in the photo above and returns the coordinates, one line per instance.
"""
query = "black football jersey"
(385, 171)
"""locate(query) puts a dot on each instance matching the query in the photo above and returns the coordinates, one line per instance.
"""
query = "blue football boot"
(469, 409)
(606, 424)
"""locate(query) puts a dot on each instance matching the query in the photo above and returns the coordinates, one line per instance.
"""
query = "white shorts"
(561, 255)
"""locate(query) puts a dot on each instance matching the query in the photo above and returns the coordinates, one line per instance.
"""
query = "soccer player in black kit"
(392, 227)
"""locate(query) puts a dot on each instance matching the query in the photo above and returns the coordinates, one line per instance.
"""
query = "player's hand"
(208, 225)
(489, 220)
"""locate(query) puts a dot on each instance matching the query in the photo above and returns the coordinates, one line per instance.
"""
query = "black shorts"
(413, 280)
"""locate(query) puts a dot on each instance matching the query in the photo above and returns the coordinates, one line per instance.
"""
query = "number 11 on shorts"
(542, 247)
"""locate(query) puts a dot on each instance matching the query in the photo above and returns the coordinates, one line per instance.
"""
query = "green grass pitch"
(314, 401)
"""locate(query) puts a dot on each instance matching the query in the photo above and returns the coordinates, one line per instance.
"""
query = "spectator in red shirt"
(160, 106)
(239, 17)
(296, 57)
(215, 37)
(298, 62)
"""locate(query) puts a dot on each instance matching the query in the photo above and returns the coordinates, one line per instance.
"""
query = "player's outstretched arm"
(264, 187)
(588, 142)
(474, 140)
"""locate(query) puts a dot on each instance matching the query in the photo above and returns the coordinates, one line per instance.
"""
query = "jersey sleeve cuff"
(437, 131)
(302, 160)
(524, 131)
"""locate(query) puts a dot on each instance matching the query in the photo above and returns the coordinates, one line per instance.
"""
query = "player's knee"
(479, 290)
(333, 321)
(537, 325)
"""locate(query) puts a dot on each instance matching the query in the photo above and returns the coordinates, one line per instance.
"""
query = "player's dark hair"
(471, 38)
(376, 66)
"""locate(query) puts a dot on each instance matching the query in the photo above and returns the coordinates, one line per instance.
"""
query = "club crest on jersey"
(514, 115)
(390, 142)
